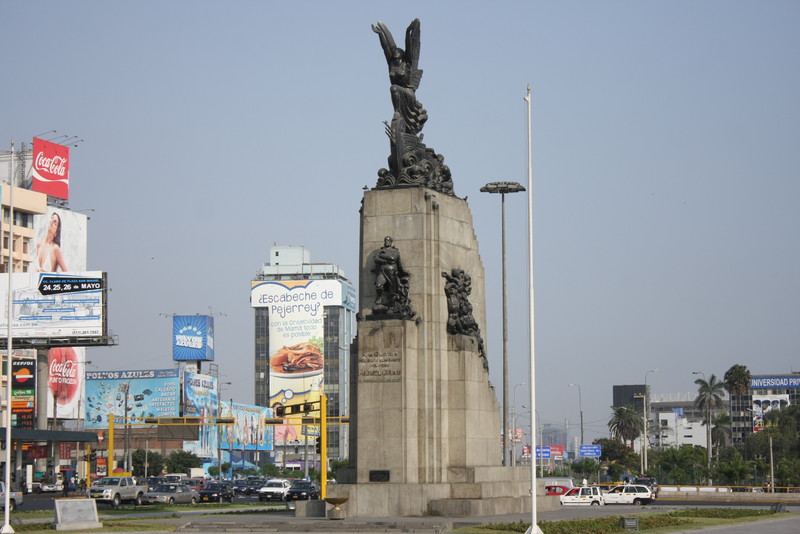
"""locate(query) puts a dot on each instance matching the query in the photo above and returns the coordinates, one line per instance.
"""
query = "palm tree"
(626, 424)
(737, 382)
(720, 430)
(710, 396)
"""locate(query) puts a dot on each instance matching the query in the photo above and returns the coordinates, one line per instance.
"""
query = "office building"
(304, 315)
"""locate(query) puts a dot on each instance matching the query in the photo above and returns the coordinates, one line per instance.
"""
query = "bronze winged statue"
(411, 163)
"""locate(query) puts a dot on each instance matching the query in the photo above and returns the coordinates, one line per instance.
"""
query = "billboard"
(193, 338)
(50, 169)
(296, 341)
(775, 382)
(763, 404)
(249, 431)
(145, 393)
(65, 381)
(23, 392)
(69, 307)
(200, 399)
(59, 241)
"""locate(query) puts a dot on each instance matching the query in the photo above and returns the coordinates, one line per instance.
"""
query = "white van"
(175, 478)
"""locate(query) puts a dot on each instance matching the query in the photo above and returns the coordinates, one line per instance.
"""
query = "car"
(171, 494)
(274, 490)
(50, 487)
(650, 482)
(216, 492)
(586, 495)
(154, 482)
(302, 490)
(630, 494)
(247, 486)
(556, 490)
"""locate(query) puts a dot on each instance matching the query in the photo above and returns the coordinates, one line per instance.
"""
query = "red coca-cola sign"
(50, 170)
(63, 375)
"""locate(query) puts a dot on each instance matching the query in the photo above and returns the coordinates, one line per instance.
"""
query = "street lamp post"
(580, 407)
(502, 188)
(644, 414)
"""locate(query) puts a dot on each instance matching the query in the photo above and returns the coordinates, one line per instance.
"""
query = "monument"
(425, 421)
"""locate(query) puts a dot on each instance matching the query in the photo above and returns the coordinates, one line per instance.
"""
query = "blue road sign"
(543, 452)
(590, 451)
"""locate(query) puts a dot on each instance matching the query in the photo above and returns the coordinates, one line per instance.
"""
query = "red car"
(556, 490)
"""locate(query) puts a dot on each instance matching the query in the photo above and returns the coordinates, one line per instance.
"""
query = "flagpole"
(9, 343)
(532, 338)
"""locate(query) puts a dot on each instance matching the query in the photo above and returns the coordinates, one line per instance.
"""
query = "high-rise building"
(304, 316)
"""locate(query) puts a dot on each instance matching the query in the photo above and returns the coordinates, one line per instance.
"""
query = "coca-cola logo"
(56, 165)
(63, 377)
(50, 169)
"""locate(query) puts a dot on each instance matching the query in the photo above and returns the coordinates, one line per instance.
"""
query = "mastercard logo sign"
(23, 376)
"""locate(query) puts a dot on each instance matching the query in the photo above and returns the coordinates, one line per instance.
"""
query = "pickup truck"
(14, 498)
(116, 490)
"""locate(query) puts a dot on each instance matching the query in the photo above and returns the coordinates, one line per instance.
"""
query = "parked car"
(247, 486)
(274, 490)
(555, 490)
(216, 492)
(50, 487)
(630, 494)
(302, 490)
(15, 498)
(171, 494)
(587, 495)
(154, 482)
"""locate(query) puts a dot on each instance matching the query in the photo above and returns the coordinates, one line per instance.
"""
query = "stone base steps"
(322, 525)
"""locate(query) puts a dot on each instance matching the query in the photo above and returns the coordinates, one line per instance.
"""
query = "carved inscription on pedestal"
(379, 366)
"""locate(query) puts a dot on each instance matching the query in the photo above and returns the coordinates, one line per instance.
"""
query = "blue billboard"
(140, 393)
(193, 338)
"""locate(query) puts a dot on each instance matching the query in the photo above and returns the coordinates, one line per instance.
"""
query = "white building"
(674, 430)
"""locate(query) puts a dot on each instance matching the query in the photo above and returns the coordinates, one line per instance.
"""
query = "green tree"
(585, 468)
(626, 424)
(720, 430)
(737, 380)
(684, 465)
(618, 457)
(182, 461)
(710, 396)
(731, 467)
(155, 463)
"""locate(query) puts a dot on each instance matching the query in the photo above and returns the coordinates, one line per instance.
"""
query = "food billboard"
(296, 342)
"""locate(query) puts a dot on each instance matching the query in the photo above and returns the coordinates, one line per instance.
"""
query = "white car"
(274, 490)
(630, 494)
(587, 495)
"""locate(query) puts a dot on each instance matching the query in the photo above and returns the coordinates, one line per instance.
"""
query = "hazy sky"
(666, 166)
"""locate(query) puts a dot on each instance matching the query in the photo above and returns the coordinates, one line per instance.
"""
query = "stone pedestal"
(426, 427)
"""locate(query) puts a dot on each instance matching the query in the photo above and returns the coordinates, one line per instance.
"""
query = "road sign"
(590, 451)
(543, 452)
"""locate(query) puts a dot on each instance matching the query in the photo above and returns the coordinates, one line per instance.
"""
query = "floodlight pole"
(503, 188)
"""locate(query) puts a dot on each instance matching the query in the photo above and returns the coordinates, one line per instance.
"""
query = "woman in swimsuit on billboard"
(48, 254)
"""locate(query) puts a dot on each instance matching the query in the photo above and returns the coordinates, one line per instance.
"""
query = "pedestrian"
(65, 487)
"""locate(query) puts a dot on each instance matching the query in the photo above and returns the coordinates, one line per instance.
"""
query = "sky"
(666, 168)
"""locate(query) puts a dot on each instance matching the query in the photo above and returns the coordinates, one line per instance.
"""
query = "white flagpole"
(7, 515)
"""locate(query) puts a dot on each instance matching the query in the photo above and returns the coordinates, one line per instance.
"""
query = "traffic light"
(319, 444)
(308, 407)
(93, 456)
(280, 411)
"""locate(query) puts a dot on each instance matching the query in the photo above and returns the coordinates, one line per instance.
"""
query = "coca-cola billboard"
(50, 168)
(65, 380)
